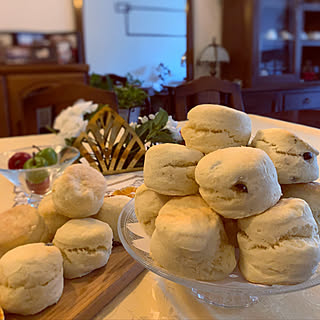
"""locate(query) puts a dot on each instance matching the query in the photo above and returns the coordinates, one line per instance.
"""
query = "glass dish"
(37, 182)
(234, 291)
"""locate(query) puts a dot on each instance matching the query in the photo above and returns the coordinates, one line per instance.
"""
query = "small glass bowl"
(37, 182)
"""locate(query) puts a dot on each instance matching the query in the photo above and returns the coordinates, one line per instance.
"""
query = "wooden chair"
(53, 100)
(206, 90)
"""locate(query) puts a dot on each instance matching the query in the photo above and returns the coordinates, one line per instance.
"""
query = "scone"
(51, 217)
(294, 159)
(189, 240)
(238, 182)
(21, 225)
(31, 278)
(281, 245)
(79, 191)
(310, 192)
(147, 204)
(211, 127)
(110, 212)
(169, 169)
(85, 245)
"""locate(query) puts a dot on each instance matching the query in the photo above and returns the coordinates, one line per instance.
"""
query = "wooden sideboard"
(18, 81)
(281, 98)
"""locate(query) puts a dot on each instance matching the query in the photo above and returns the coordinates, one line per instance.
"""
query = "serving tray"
(84, 297)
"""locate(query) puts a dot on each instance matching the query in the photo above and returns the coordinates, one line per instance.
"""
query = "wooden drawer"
(301, 100)
(261, 102)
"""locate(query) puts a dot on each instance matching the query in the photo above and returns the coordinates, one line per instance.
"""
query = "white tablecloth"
(152, 297)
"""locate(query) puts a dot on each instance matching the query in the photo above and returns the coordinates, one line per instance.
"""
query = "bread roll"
(51, 216)
(310, 192)
(31, 278)
(294, 159)
(147, 205)
(21, 225)
(212, 127)
(238, 182)
(169, 169)
(110, 212)
(189, 240)
(85, 245)
(79, 191)
(281, 245)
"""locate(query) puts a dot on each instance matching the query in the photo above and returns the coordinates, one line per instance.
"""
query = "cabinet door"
(262, 102)
(275, 57)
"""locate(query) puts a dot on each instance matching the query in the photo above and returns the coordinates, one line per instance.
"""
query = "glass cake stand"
(233, 291)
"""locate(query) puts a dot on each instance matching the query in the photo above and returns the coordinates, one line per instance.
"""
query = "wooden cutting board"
(84, 297)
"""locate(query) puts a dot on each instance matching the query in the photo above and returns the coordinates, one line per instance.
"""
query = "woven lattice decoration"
(110, 145)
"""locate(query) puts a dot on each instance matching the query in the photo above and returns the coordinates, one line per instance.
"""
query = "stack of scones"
(70, 235)
(218, 192)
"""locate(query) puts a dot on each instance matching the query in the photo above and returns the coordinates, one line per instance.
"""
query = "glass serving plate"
(233, 291)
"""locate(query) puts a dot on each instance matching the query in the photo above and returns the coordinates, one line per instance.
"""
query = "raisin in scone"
(294, 159)
(238, 182)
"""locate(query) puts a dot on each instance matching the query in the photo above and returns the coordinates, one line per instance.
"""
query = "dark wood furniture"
(206, 89)
(307, 117)
(18, 81)
(273, 52)
(57, 98)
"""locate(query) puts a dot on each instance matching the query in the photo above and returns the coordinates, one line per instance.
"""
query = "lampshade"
(214, 53)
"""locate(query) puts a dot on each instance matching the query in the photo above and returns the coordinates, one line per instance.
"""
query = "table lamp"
(212, 55)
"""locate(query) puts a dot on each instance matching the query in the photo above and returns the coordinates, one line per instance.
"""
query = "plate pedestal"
(226, 300)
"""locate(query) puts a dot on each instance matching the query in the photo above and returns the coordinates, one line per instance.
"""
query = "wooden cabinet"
(17, 82)
(260, 101)
(274, 53)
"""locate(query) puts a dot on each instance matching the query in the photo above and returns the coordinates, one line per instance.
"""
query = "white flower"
(174, 130)
(143, 119)
(70, 121)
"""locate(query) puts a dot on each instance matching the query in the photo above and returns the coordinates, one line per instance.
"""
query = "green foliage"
(129, 95)
(101, 82)
(153, 130)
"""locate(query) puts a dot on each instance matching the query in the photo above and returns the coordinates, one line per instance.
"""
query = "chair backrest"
(57, 98)
(206, 90)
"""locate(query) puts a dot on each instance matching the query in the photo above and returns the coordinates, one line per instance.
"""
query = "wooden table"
(306, 117)
(151, 297)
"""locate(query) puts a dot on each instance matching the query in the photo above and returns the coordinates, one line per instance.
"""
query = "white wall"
(110, 50)
(37, 15)
(206, 25)
(57, 16)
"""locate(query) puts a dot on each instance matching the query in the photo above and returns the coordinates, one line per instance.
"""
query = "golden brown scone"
(79, 191)
(51, 216)
(309, 192)
(189, 240)
(281, 245)
(85, 245)
(212, 127)
(169, 169)
(110, 212)
(31, 278)
(21, 225)
(147, 205)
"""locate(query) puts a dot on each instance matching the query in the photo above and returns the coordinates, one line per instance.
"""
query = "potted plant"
(131, 97)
